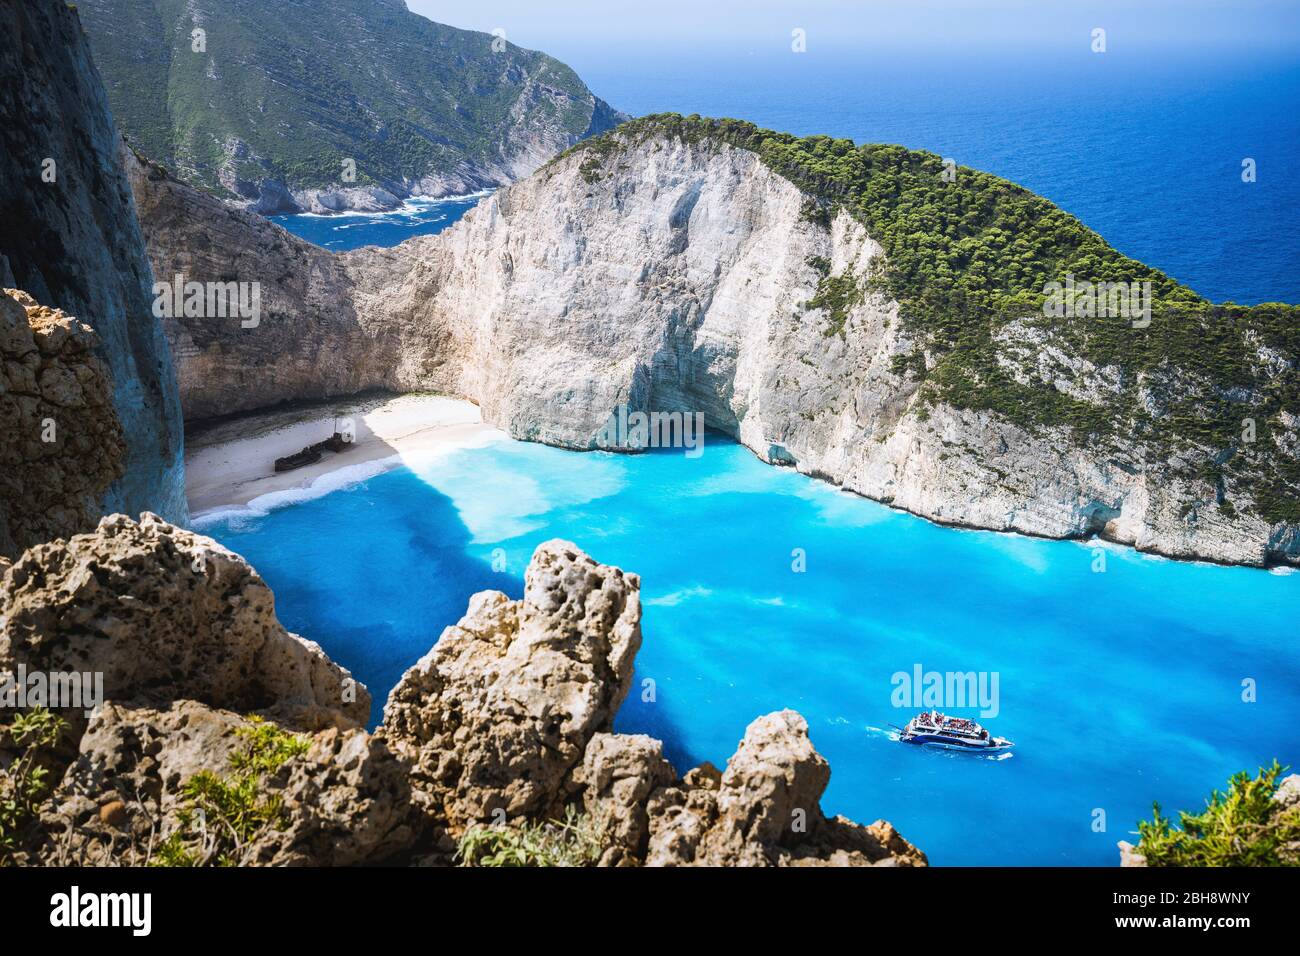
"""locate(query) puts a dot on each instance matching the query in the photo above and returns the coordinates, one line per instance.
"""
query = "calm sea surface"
(1118, 687)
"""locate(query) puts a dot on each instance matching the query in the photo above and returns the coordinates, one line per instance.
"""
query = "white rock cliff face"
(676, 280)
(673, 277)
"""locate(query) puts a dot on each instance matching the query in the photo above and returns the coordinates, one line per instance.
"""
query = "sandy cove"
(231, 464)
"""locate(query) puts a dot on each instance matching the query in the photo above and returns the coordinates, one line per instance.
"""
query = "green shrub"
(1243, 827)
(223, 814)
(26, 781)
(574, 841)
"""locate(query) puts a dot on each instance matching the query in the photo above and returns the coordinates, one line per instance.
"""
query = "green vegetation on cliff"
(1245, 826)
(968, 256)
(287, 90)
(574, 841)
(31, 737)
(223, 815)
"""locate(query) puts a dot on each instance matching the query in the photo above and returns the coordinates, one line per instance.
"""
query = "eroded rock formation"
(498, 714)
(510, 711)
(61, 444)
(165, 614)
(765, 810)
(69, 237)
(345, 799)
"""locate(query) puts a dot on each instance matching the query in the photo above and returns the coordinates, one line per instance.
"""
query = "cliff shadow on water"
(357, 600)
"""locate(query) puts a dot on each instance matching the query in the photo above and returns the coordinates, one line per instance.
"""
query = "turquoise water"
(1119, 687)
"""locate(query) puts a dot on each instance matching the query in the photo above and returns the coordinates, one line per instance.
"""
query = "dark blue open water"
(1145, 149)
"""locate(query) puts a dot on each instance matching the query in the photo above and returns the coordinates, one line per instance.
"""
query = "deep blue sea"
(1144, 147)
(1119, 687)
(418, 216)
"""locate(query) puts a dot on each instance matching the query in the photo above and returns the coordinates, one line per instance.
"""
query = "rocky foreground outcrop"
(665, 273)
(497, 716)
(61, 445)
(764, 810)
(165, 614)
(69, 237)
(506, 722)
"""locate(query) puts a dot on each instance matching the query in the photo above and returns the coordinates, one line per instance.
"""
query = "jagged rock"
(343, 802)
(766, 811)
(497, 716)
(1129, 856)
(69, 236)
(165, 614)
(140, 758)
(619, 772)
(347, 802)
(510, 711)
(61, 444)
(704, 777)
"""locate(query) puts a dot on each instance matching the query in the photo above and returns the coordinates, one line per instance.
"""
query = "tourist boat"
(933, 729)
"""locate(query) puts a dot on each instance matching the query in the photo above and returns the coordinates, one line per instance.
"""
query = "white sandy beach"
(232, 464)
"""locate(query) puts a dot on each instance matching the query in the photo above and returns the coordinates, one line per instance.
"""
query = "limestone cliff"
(686, 275)
(63, 444)
(69, 237)
(674, 272)
(308, 342)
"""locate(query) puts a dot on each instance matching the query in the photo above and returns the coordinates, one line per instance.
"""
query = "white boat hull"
(935, 730)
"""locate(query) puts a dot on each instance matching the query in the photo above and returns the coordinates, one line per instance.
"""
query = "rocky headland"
(341, 105)
(674, 266)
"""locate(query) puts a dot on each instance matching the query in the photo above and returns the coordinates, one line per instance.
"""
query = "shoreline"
(229, 467)
(403, 208)
(229, 462)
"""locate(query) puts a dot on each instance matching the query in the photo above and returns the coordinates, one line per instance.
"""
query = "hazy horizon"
(586, 31)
